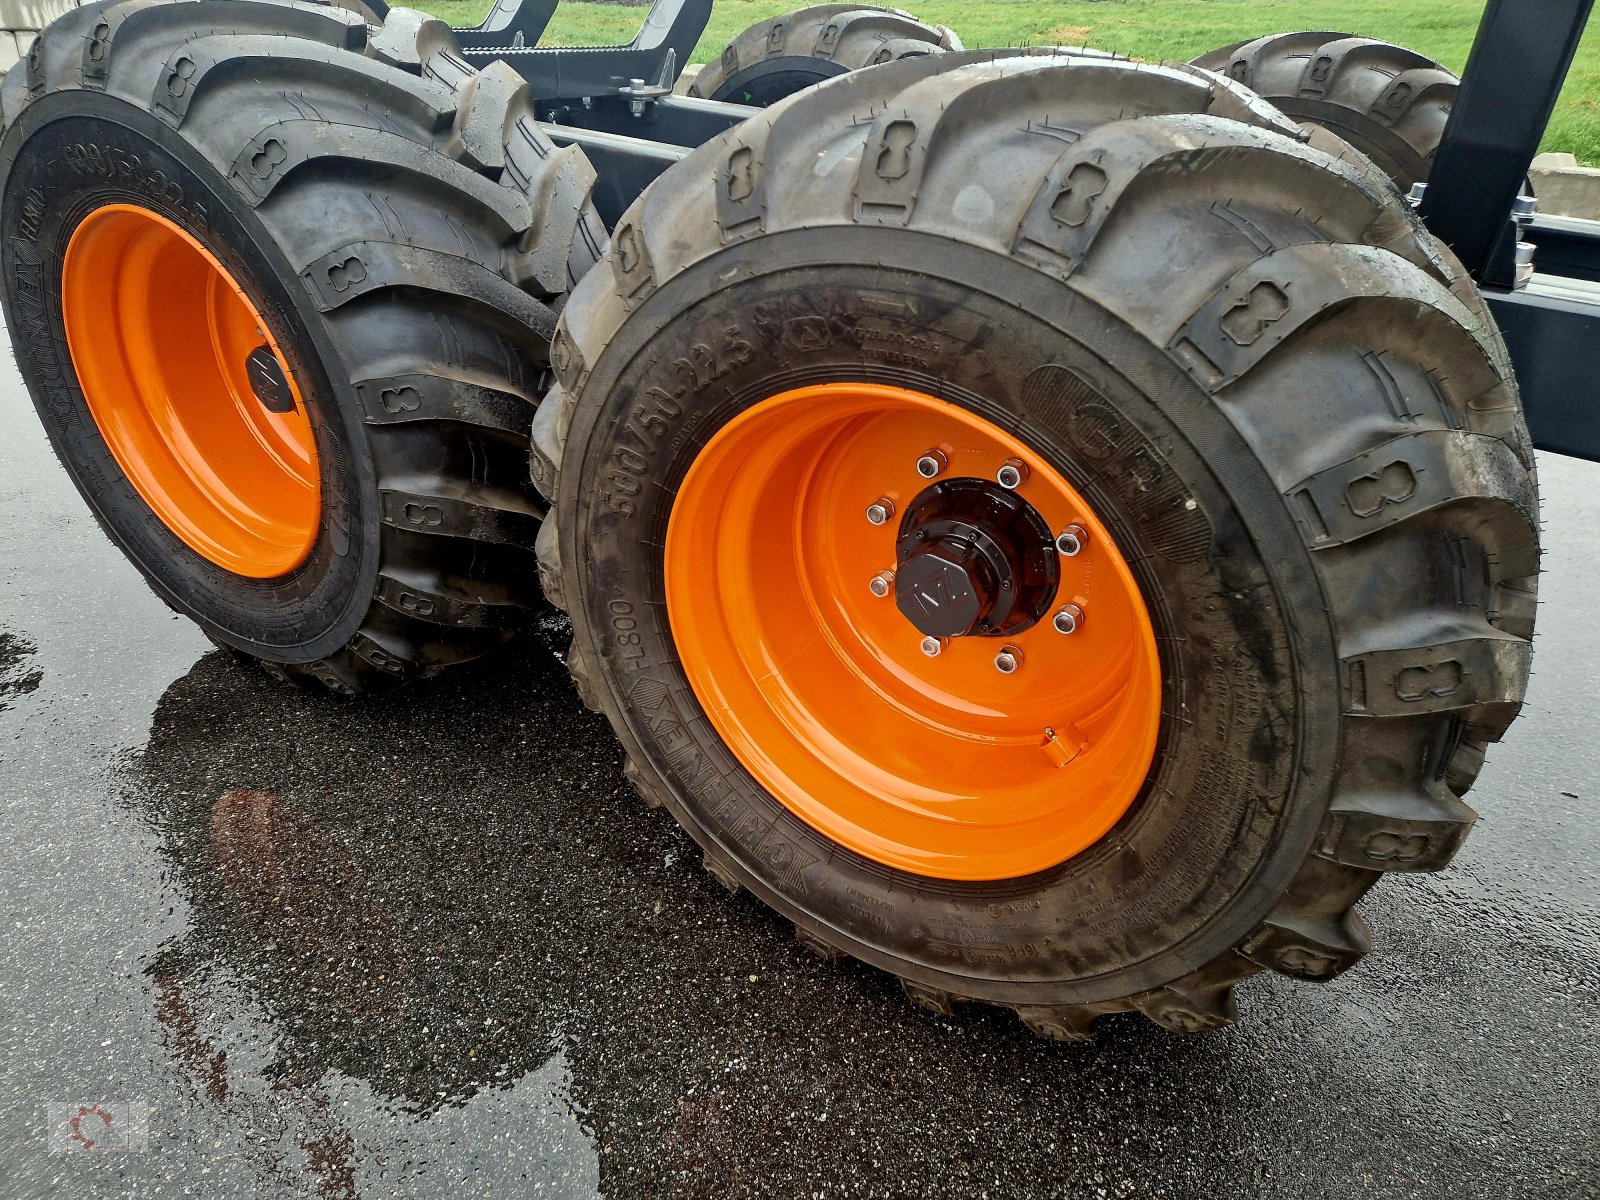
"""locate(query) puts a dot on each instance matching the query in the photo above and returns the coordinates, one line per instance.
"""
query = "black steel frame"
(1519, 64)
(651, 63)
(617, 103)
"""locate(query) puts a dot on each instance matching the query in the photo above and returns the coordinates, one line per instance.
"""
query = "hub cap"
(193, 397)
(976, 560)
(892, 725)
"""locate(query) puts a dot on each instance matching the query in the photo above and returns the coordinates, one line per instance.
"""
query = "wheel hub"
(975, 560)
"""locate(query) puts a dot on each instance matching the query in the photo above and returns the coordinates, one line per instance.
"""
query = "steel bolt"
(1071, 541)
(1069, 619)
(880, 510)
(1525, 260)
(932, 647)
(882, 584)
(1012, 475)
(1008, 661)
(932, 464)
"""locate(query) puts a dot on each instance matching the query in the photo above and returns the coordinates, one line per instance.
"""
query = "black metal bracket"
(644, 70)
(675, 120)
(1565, 246)
(1518, 67)
(1552, 329)
(510, 25)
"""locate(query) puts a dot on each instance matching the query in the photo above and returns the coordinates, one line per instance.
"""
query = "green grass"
(1147, 29)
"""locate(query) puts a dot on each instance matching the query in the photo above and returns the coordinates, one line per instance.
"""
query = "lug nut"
(1012, 475)
(1072, 540)
(932, 464)
(1008, 661)
(932, 647)
(882, 584)
(880, 510)
(1069, 619)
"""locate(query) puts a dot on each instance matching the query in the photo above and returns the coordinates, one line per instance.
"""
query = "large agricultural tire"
(776, 58)
(1239, 363)
(400, 235)
(1390, 103)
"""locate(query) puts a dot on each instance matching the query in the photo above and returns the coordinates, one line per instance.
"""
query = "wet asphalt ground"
(434, 946)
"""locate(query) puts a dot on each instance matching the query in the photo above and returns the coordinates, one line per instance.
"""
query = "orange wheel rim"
(943, 766)
(192, 395)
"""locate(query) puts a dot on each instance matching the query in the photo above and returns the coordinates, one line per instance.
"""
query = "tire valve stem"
(882, 584)
(1063, 746)
(880, 510)
(1069, 620)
